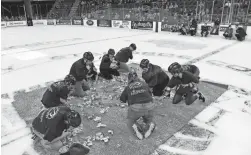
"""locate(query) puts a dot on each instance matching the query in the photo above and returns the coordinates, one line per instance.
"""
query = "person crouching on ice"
(139, 98)
(57, 93)
(185, 87)
(228, 34)
(190, 68)
(240, 33)
(123, 57)
(154, 76)
(51, 126)
(204, 30)
(79, 70)
(108, 67)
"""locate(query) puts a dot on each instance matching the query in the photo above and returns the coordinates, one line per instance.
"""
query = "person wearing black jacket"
(51, 125)
(215, 29)
(139, 98)
(240, 33)
(57, 93)
(183, 30)
(184, 83)
(80, 71)
(204, 30)
(108, 67)
(193, 27)
(124, 55)
(154, 76)
(228, 34)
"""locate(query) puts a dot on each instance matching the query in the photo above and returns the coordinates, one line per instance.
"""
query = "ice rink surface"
(35, 55)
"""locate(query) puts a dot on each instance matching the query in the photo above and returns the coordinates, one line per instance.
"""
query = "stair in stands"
(74, 8)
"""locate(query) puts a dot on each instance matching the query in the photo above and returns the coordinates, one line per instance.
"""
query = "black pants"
(189, 99)
(183, 32)
(239, 37)
(108, 73)
(204, 33)
(158, 90)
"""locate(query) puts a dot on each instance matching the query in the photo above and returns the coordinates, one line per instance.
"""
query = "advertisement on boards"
(121, 24)
(142, 25)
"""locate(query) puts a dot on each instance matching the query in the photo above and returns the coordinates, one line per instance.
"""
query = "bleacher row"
(172, 11)
(166, 10)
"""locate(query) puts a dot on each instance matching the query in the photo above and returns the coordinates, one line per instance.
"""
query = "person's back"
(154, 76)
(50, 122)
(79, 70)
(137, 92)
(55, 91)
(124, 55)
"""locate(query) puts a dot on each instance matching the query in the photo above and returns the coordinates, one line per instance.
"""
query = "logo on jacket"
(52, 113)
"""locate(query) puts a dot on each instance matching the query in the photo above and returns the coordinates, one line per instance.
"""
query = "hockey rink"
(33, 56)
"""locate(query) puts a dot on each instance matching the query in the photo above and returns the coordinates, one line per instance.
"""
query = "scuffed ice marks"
(177, 44)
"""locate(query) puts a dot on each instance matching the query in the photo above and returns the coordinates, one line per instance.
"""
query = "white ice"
(34, 67)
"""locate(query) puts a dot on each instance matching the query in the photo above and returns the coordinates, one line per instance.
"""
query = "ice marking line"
(13, 140)
(72, 44)
(189, 137)
(204, 126)
(179, 151)
(50, 60)
(210, 54)
(39, 44)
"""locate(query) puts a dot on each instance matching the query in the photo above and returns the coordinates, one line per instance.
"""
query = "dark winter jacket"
(105, 62)
(194, 24)
(229, 31)
(217, 22)
(154, 76)
(51, 122)
(136, 92)
(187, 78)
(124, 55)
(52, 95)
(190, 68)
(204, 28)
(241, 32)
(79, 70)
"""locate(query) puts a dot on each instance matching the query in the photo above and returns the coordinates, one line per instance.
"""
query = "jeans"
(136, 111)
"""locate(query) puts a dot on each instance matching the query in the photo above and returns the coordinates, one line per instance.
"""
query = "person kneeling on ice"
(190, 68)
(77, 149)
(154, 76)
(80, 70)
(228, 34)
(184, 83)
(51, 125)
(240, 33)
(108, 67)
(124, 55)
(204, 30)
(57, 93)
(139, 98)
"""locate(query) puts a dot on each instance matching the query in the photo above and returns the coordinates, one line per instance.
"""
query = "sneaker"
(138, 134)
(201, 97)
(34, 136)
(150, 130)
